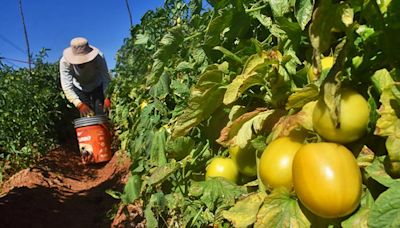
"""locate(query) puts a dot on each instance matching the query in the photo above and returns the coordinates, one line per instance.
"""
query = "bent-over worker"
(84, 77)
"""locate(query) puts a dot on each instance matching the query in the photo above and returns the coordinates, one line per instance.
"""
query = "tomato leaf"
(360, 218)
(328, 17)
(377, 171)
(180, 147)
(161, 173)
(287, 124)
(388, 123)
(250, 76)
(244, 213)
(365, 157)
(230, 131)
(280, 209)
(303, 12)
(157, 148)
(216, 192)
(204, 99)
(279, 7)
(386, 210)
(132, 189)
(239, 85)
(382, 79)
(299, 98)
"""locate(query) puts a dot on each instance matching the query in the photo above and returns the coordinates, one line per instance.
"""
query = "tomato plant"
(275, 166)
(327, 179)
(236, 74)
(222, 167)
(352, 122)
(34, 116)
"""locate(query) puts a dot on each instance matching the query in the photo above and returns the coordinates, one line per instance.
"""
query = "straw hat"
(80, 51)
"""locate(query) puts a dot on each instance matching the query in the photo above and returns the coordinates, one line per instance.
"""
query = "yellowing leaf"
(204, 99)
(239, 85)
(243, 129)
(244, 213)
(388, 124)
(299, 98)
(230, 131)
(250, 76)
(280, 209)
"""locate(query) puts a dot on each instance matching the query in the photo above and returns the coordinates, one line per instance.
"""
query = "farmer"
(84, 77)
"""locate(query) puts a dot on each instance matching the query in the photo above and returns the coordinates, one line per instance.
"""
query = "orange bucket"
(94, 139)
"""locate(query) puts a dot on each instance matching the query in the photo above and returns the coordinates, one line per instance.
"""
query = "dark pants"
(94, 99)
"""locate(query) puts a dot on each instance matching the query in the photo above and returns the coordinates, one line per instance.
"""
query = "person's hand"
(85, 110)
(107, 104)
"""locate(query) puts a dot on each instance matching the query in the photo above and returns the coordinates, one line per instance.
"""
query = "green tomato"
(327, 179)
(222, 167)
(245, 160)
(275, 166)
(353, 118)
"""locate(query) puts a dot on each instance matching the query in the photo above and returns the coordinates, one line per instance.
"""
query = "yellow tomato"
(353, 118)
(326, 63)
(245, 160)
(275, 166)
(222, 167)
(327, 179)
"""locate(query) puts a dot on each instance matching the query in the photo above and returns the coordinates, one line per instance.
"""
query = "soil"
(60, 191)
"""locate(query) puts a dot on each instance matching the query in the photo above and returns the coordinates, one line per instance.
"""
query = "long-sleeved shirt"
(92, 75)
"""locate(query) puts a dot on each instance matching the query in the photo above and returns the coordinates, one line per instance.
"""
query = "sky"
(53, 23)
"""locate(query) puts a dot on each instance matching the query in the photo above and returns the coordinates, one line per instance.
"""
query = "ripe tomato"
(326, 63)
(245, 159)
(222, 167)
(275, 166)
(353, 118)
(327, 179)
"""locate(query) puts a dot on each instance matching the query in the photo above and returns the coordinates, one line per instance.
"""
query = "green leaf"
(279, 7)
(244, 213)
(220, 22)
(386, 210)
(303, 12)
(151, 220)
(180, 147)
(216, 192)
(142, 39)
(182, 66)
(161, 173)
(132, 189)
(377, 172)
(157, 148)
(280, 209)
(205, 98)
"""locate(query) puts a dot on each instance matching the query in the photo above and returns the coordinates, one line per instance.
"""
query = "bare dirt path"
(59, 191)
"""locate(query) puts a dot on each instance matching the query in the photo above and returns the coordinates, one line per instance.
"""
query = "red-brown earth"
(60, 191)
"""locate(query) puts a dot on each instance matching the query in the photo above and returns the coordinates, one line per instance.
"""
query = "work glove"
(85, 110)
(107, 104)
